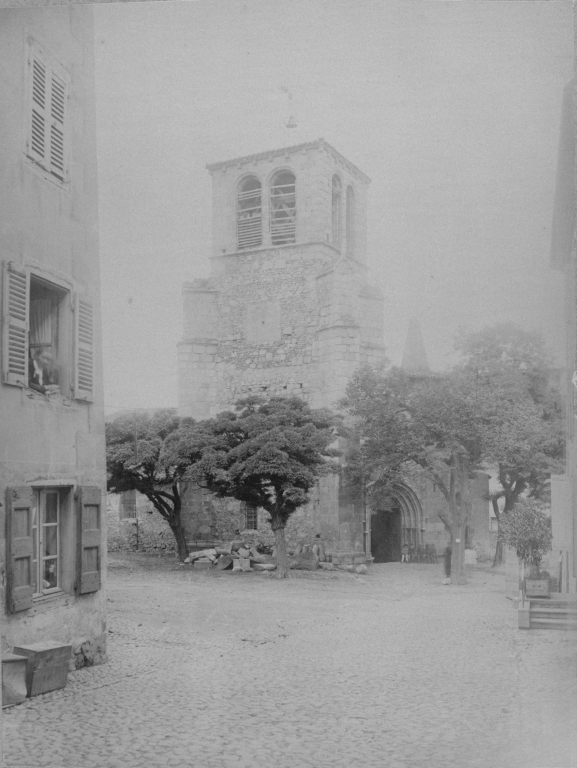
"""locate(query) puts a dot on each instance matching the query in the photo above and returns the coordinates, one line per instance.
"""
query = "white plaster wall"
(45, 225)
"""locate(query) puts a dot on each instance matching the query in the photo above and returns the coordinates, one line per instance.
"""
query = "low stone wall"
(147, 532)
(89, 654)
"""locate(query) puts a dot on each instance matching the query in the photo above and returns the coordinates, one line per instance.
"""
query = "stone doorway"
(386, 535)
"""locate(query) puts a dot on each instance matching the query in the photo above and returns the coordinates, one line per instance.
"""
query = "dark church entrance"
(386, 536)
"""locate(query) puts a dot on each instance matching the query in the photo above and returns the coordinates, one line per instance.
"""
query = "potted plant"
(527, 529)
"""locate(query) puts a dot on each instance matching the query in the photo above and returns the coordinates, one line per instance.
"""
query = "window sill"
(39, 397)
(45, 174)
(43, 603)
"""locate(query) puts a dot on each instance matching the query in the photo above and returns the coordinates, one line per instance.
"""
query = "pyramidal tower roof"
(415, 357)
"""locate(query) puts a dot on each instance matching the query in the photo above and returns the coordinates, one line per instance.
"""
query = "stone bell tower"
(288, 309)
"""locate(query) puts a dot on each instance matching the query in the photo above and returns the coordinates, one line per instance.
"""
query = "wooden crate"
(47, 668)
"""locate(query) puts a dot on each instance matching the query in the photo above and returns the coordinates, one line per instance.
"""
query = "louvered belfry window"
(249, 214)
(283, 211)
(46, 142)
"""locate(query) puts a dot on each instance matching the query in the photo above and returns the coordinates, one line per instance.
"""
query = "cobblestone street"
(215, 670)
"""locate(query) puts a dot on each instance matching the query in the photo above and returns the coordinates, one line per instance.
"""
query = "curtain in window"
(41, 323)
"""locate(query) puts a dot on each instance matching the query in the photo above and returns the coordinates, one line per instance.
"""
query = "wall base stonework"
(90, 653)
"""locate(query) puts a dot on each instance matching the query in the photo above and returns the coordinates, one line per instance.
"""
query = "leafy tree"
(521, 411)
(425, 423)
(136, 460)
(527, 529)
(268, 452)
(497, 408)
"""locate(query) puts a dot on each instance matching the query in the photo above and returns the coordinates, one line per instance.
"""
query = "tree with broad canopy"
(136, 460)
(268, 452)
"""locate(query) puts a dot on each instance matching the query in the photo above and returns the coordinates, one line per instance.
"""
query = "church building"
(290, 309)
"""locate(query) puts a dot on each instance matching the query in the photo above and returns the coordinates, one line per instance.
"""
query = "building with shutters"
(563, 560)
(52, 452)
(289, 309)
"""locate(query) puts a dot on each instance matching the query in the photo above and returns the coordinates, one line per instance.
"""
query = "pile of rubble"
(243, 555)
(237, 555)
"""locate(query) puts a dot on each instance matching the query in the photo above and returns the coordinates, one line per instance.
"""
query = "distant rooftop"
(289, 151)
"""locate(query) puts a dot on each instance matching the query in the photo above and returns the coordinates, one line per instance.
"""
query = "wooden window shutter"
(16, 300)
(89, 514)
(38, 134)
(84, 351)
(58, 88)
(20, 548)
(48, 103)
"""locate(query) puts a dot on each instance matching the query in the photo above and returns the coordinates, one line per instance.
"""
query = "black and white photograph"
(288, 399)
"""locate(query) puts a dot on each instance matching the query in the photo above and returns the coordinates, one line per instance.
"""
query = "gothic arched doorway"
(386, 535)
(398, 522)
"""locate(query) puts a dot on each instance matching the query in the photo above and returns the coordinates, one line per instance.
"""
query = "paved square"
(391, 669)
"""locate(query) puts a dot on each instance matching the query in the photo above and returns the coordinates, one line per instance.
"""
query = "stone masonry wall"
(272, 326)
(283, 320)
(152, 535)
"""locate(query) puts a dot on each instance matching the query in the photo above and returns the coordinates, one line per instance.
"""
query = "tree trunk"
(170, 511)
(498, 559)
(282, 563)
(510, 499)
(460, 466)
(180, 538)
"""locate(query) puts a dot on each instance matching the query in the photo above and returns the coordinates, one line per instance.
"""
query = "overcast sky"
(452, 109)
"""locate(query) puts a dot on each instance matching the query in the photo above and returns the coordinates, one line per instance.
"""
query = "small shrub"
(527, 529)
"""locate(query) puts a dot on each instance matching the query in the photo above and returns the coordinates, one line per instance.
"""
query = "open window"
(336, 211)
(283, 210)
(50, 548)
(48, 335)
(249, 214)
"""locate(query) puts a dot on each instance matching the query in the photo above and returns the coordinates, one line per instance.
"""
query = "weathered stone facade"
(291, 319)
(296, 318)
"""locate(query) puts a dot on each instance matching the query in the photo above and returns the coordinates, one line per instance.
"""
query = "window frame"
(350, 220)
(336, 211)
(75, 536)
(250, 513)
(37, 557)
(64, 325)
(77, 331)
(54, 113)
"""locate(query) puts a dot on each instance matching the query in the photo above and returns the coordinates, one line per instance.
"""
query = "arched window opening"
(350, 223)
(283, 212)
(336, 228)
(249, 214)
